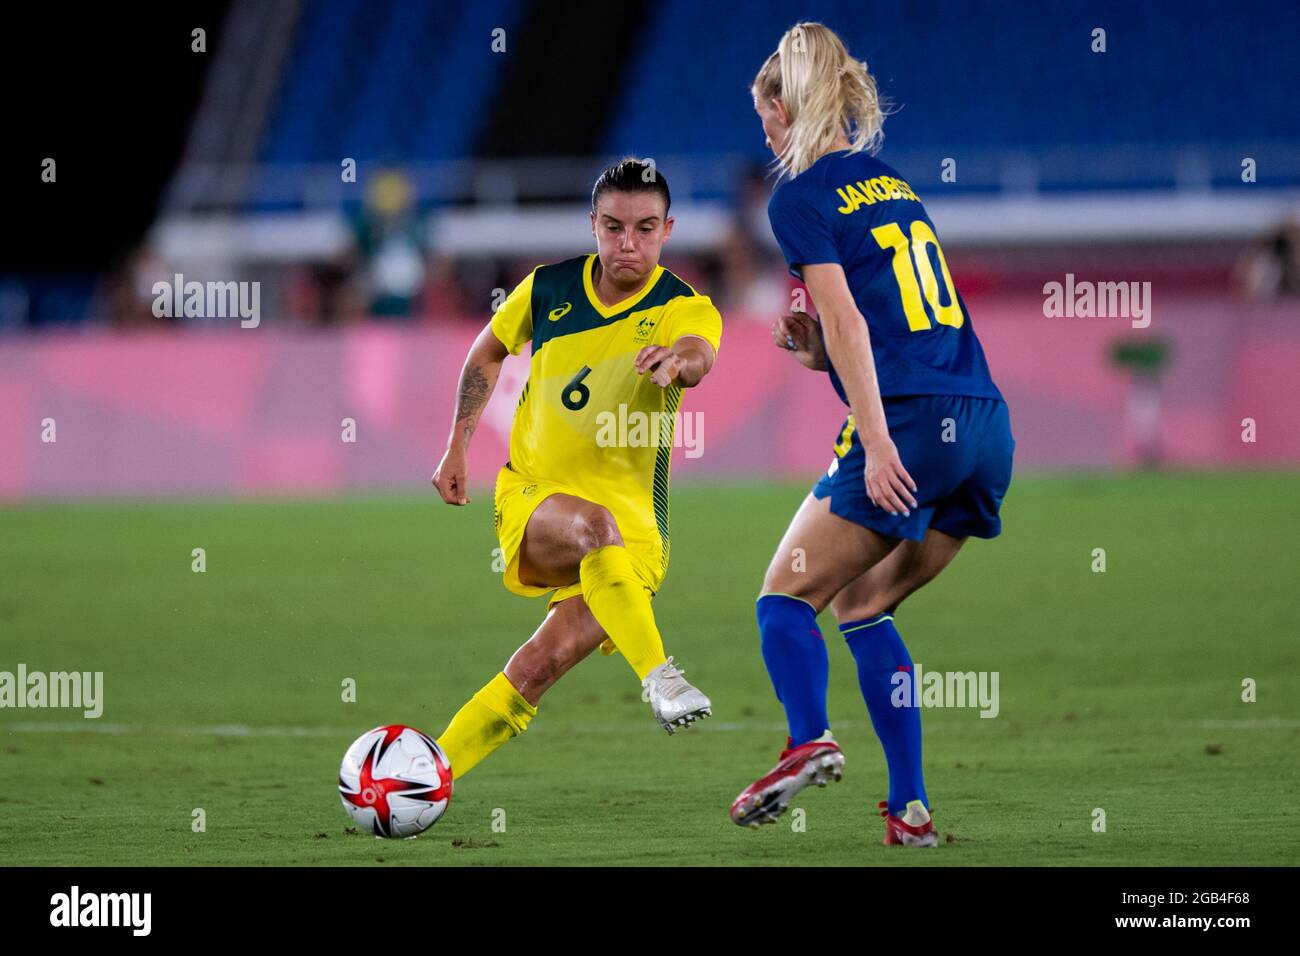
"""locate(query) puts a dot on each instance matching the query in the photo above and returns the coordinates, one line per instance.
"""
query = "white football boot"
(675, 702)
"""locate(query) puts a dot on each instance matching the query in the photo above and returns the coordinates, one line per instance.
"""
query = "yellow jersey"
(585, 419)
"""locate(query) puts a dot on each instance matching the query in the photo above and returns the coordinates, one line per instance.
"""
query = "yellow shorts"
(517, 497)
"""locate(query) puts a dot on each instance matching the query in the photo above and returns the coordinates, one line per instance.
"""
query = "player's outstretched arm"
(848, 345)
(478, 378)
(685, 363)
(801, 335)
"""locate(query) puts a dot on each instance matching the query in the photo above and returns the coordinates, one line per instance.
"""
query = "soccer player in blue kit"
(922, 461)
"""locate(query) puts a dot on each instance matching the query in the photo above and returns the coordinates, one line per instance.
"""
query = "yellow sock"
(490, 718)
(619, 603)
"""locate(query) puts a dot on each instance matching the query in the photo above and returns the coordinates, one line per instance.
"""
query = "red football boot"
(913, 828)
(763, 801)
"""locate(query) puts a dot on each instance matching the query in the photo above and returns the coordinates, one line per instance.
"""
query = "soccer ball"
(395, 781)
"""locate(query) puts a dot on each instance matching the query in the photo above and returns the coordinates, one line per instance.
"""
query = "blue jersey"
(852, 209)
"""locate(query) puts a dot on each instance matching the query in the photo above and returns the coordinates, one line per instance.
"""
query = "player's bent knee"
(596, 528)
(772, 584)
(793, 585)
(781, 579)
(848, 611)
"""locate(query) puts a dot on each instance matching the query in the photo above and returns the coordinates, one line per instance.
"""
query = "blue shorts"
(957, 449)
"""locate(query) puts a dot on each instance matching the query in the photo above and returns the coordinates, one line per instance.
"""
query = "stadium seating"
(361, 81)
(959, 86)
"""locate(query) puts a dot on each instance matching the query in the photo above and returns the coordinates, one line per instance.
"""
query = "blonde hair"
(826, 93)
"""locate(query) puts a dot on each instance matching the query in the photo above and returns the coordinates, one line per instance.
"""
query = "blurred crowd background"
(475, 130)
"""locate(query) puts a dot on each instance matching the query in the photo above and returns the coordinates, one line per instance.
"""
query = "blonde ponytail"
(826, 92)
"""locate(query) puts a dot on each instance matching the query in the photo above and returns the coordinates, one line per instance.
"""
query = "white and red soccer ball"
(395, 781)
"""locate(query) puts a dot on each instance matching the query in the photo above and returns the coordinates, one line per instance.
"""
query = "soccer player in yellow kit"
(582, 504)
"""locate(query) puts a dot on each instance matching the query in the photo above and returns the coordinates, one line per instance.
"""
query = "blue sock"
(795, 654)
(880, 654)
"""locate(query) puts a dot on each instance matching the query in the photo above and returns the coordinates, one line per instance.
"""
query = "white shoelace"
(670, 681)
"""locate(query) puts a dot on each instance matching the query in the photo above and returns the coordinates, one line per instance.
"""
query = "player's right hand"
(889, 486)
(801, 335)
(450, 478)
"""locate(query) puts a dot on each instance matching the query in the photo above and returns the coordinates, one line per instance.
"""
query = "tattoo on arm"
(473, 395)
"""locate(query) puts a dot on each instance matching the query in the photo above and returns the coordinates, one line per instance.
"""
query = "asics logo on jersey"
(557, 314)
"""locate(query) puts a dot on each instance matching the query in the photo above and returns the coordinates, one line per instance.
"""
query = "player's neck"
(607, 290)
(840, 142)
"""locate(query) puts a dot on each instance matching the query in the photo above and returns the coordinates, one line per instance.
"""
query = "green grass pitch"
(1119, 690)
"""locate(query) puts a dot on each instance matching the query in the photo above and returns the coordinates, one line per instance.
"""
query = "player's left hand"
(662, 362)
